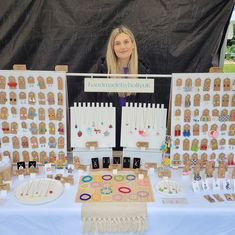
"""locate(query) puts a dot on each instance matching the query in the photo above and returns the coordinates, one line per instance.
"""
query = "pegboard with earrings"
(203, 114)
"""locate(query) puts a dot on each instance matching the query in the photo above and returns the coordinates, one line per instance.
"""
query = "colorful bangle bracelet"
(124, 190)
(106, 190)
(84, 185)
(133, 197)
(143, 183)
(142, 194)
(96, 197)
(107, 177)
(119, 178)
(85, 197)
(86, 178)
(130, 177)
(97, 178)
(96, 184)
(117, 197)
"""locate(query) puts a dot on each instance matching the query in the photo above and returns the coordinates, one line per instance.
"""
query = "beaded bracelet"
(106, 190)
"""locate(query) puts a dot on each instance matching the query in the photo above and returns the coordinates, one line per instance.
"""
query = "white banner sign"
(119, 85)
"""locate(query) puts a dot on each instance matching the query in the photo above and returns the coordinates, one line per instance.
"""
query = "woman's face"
(123, 46)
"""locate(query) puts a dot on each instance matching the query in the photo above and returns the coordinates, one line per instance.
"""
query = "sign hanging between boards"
(119, 85)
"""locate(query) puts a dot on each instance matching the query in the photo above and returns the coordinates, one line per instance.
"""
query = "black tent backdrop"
(172, 36)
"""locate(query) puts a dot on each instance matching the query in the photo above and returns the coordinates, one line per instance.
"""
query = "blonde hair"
(111, 57)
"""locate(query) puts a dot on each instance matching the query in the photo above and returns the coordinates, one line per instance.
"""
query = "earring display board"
(203, 117)
(33, 115)
(92, 123)
(143, 123)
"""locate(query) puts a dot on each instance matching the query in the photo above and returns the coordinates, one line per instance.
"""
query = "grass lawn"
(229, 68)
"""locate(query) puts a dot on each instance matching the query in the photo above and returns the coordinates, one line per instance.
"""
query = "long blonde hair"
(111, 57)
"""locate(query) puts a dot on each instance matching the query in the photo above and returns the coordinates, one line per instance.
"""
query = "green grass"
(229, 68)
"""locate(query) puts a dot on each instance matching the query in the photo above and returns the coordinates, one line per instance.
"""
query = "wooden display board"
(203, 117)
(33, 115)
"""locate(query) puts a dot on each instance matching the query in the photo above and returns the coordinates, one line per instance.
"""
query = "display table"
(63, 216)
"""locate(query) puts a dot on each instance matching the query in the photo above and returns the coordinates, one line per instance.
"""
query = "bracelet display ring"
(85, 197)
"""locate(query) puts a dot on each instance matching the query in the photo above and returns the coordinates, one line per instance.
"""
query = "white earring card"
(33, 115)
(143, 123)
(203, 117)
(92, 122)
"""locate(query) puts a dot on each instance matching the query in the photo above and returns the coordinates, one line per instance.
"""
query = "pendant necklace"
(79, 120)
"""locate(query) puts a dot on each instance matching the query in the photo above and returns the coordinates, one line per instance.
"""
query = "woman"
(121, 58)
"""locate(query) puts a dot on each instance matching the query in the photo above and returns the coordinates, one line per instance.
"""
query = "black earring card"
(95, 163)
(126, 162)
(32, 164)
(106, 162)
(20, 165)
(136, 163)
(116, 160)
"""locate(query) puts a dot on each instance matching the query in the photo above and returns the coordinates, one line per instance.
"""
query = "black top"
(101, 67)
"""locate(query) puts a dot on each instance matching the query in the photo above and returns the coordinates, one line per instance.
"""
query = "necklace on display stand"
(105, 118)
(129, 117)
(135, 116)
(149, 117)
(97, 129)
(143, 122)
(93, 111)
(157, 121)
(112, 114)
(153, 117)
(141, 130)
(79, 113)
(89, 120)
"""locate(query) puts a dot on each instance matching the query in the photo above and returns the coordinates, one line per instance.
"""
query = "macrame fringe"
(136, 224)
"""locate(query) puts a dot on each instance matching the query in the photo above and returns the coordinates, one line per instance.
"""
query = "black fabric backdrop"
(172, 36)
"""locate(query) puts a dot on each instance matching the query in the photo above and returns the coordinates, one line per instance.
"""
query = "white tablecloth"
(63, 215)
